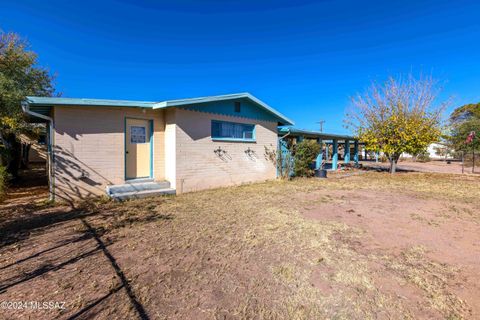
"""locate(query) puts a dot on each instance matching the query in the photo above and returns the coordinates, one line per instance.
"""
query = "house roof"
(59, 101)
(314, 134)
(43, 104)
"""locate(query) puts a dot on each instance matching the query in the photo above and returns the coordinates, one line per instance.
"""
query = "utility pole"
(321, 122)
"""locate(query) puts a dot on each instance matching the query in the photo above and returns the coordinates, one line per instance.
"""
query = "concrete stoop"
(139, 188)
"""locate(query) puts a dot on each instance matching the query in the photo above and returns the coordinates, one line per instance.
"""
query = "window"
(232, 131)
(237, 106)
(138, 135)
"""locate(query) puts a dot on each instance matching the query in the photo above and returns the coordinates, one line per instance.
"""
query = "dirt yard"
(434, 166)
(367, 245)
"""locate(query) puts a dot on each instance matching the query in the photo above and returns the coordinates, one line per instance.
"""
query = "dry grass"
(247, 252)
(432, 185)
(433, 278)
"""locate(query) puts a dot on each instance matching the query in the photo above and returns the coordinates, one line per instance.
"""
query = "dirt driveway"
(367, 245)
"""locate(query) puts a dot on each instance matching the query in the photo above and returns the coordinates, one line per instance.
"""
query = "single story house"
(435, 151)
(140, 148)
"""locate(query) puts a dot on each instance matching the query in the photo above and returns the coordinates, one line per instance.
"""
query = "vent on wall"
(237, 106)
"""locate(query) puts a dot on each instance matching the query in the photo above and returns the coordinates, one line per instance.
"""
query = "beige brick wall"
(89, 148)
(198, 167)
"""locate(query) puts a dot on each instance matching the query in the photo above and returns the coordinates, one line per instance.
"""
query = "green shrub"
(305, 154)
(3, 182)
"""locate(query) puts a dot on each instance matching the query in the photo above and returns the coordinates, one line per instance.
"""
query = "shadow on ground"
(64, 239)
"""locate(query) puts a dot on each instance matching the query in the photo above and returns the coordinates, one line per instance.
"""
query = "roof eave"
(48, 101)
(283, 120)
(81, 102)
(332, 136)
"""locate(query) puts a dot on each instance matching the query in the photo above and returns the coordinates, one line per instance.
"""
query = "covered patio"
(329, 156)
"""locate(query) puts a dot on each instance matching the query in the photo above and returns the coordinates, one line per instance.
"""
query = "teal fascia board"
(313, 134)
(216, 104)
(43, 110)
(248, 110)
(266, 112)
(56, 101)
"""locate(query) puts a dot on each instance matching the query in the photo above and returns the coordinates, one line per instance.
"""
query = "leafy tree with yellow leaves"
(397, 116)
(19, 76)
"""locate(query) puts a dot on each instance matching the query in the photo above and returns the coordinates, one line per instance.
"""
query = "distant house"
(438, 151)
(435, 151)
(136, 148)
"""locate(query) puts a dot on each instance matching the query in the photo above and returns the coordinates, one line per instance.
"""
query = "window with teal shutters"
(222, 130)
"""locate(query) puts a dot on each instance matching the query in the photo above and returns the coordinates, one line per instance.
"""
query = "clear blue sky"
(304, 58)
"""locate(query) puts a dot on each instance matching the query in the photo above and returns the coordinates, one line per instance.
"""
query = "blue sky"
(304, 58)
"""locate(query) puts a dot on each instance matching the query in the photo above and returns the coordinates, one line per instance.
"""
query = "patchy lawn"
(364, 246)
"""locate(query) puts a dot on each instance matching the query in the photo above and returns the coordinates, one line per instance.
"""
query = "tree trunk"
(393, 163)
(13, 147)
(392, 166)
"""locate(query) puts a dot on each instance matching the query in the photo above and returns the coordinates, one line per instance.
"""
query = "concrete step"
(138, 186)
(142, 194)
(139, 189)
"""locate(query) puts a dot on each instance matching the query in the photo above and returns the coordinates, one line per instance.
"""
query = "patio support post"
(319, 159)
(327, 147)
(346, 156)
(335, 155)
(365, 153)
(376, 156)
(355, 152)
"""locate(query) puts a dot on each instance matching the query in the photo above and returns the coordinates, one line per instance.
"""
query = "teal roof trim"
(314, 134)
(45, 110)
(54, 101)
(58, 101)
(184, 102)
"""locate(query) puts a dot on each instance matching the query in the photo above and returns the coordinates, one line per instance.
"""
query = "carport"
(327, 141)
